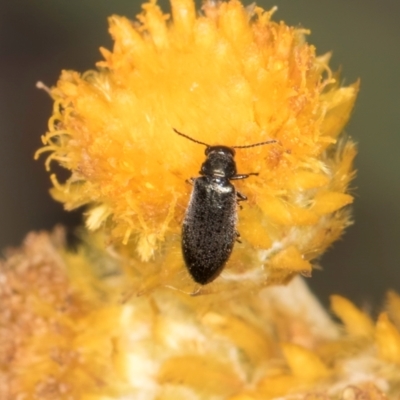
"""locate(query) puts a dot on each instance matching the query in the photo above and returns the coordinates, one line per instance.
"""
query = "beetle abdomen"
(209, 227)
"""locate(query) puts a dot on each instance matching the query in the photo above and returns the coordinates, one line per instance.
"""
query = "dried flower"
(65, 334)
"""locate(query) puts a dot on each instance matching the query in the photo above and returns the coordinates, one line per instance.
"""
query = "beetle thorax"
(219, 162)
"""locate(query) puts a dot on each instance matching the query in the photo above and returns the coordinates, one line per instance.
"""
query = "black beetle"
(209, 227)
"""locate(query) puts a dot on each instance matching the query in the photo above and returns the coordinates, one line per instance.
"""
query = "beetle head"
(220, 162)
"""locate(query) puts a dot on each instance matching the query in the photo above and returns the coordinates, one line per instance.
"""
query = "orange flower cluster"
(230, 76)
(113, 320)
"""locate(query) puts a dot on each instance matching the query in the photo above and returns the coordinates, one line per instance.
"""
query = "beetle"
(209, 226)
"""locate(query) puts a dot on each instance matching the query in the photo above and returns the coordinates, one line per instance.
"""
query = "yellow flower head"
(228, 76)
(65, 335)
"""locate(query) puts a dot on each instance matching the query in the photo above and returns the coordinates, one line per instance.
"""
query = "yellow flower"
(66, 334)
(113, 320)
(228, 76)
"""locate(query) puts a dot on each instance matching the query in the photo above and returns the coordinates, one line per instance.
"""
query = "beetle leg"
(190, 181)
(237, 237)
(241, 197)
(242, 176)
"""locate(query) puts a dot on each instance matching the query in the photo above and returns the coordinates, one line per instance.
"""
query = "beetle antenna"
(256, 144)
(188, 137)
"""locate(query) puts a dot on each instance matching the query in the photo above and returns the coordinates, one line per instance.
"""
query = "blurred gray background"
(40, 38)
